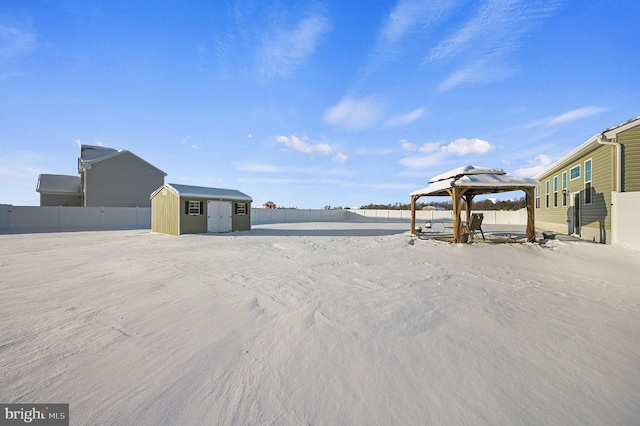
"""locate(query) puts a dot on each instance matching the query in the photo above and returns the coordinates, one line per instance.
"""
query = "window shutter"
(186, 207)
(201, 207)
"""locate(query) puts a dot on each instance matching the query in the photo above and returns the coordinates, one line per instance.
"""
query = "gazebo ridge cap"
(466, 170)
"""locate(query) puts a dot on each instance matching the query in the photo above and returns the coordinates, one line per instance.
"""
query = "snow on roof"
(467, 170)
(206, 192)
(483, 183)
(58, 184)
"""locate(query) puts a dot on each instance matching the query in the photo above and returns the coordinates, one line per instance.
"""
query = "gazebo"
(464, 183)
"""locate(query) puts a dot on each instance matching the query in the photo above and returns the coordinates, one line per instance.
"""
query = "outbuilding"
(464, 183)
(186, 209)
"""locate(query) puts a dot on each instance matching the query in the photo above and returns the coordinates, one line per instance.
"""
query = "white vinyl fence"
(260, 216)
(625, 229)
(51, 219)
(16, 219)
(492, 217)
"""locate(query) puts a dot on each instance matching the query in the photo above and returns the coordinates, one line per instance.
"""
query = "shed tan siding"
(630, 140)
(164, 212)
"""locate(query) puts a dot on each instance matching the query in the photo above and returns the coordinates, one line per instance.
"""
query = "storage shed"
(185, 209)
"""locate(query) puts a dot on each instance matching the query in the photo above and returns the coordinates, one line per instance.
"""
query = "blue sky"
(310, 103)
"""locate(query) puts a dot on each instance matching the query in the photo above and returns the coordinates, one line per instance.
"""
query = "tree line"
(517, 204)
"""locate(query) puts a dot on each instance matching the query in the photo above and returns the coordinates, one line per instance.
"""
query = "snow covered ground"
(319, 323)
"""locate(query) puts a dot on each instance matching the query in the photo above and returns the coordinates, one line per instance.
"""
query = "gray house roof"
(90, 152)
(58, 184)
(93, 154)
(205, 192)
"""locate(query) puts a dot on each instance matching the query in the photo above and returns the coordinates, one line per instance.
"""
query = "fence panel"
(624, 219)
(52, 219)
(80, 217)
(25, 218)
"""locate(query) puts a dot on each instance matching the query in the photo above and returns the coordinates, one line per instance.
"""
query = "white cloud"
(78, 143)
(99, 143)
(266, 40)
(354, 114)
(481, 44)
(304, 145)
(421, 161)
(433, 153)
(575, 114)
(251, 166)
(495, 26)
(249, 136)
(405, 144)
(341, 157)
(283, 50)
(464, 146)
(382, 186)
(264, 181)
(536, 165)
(566, 117)
(15, 42)
(482, 70)
(407, 17)
(404, 16)
(406, 118)
(429, 147)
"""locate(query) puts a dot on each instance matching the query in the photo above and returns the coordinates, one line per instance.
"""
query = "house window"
(574, 173)
(546, 194)
(193, 208)
(587, 182)
(564, 189)
(538, 197)
(555, 191)
(241, 209)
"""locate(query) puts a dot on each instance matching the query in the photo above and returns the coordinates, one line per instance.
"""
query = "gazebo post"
(468, 203)
(456, 194)
(414, 198)
(531, 223)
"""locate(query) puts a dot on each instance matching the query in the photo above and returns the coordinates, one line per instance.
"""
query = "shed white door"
(218, 216)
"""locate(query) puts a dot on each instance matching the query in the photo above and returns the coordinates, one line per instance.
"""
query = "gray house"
(59, 190)
(112, 178)
(185, 209)
(107, 178)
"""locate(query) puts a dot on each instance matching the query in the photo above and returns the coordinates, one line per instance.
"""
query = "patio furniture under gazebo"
(464, 183)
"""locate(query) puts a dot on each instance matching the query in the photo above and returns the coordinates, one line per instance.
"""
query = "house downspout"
(603, 140)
